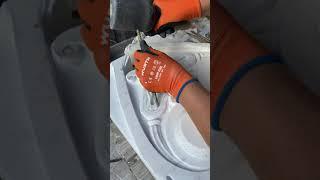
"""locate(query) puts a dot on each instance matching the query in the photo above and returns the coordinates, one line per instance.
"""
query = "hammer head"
(130, 15)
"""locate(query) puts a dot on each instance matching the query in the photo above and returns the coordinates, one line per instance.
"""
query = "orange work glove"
(159, 73)
(95, 31)
(234, 54)
(174, 11)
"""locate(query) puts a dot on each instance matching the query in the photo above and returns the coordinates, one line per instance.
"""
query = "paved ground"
(125, 163)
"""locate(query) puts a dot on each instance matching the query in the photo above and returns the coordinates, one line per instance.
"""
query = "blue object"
(182, 88)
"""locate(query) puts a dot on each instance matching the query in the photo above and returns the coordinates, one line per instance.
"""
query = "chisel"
(145, 48)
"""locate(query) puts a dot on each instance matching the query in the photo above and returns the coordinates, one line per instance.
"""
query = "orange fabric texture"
(177, 11)
(232, 48)
(95, 31)
(160, 73)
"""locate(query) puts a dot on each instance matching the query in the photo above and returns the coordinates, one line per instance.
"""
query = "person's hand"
(95, 32)
(173, 12)
(159, 73)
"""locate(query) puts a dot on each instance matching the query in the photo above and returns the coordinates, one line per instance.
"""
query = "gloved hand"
(95, 31)
(234, 54)
(175, 11)
(159, 73)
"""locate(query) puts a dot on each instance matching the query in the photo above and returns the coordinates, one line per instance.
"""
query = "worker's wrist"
(205, 7)
(221, 96)
(234, 51)
(183, 88)
(184, 80)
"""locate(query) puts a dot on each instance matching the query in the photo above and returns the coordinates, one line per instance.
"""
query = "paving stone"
(128, 164)
(121, 171)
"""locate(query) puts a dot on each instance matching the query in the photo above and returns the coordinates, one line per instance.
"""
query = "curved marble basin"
(166, 129)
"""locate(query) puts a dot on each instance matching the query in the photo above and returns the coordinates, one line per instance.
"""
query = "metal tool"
(199, 37)
(145, 48)
(143, 44)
